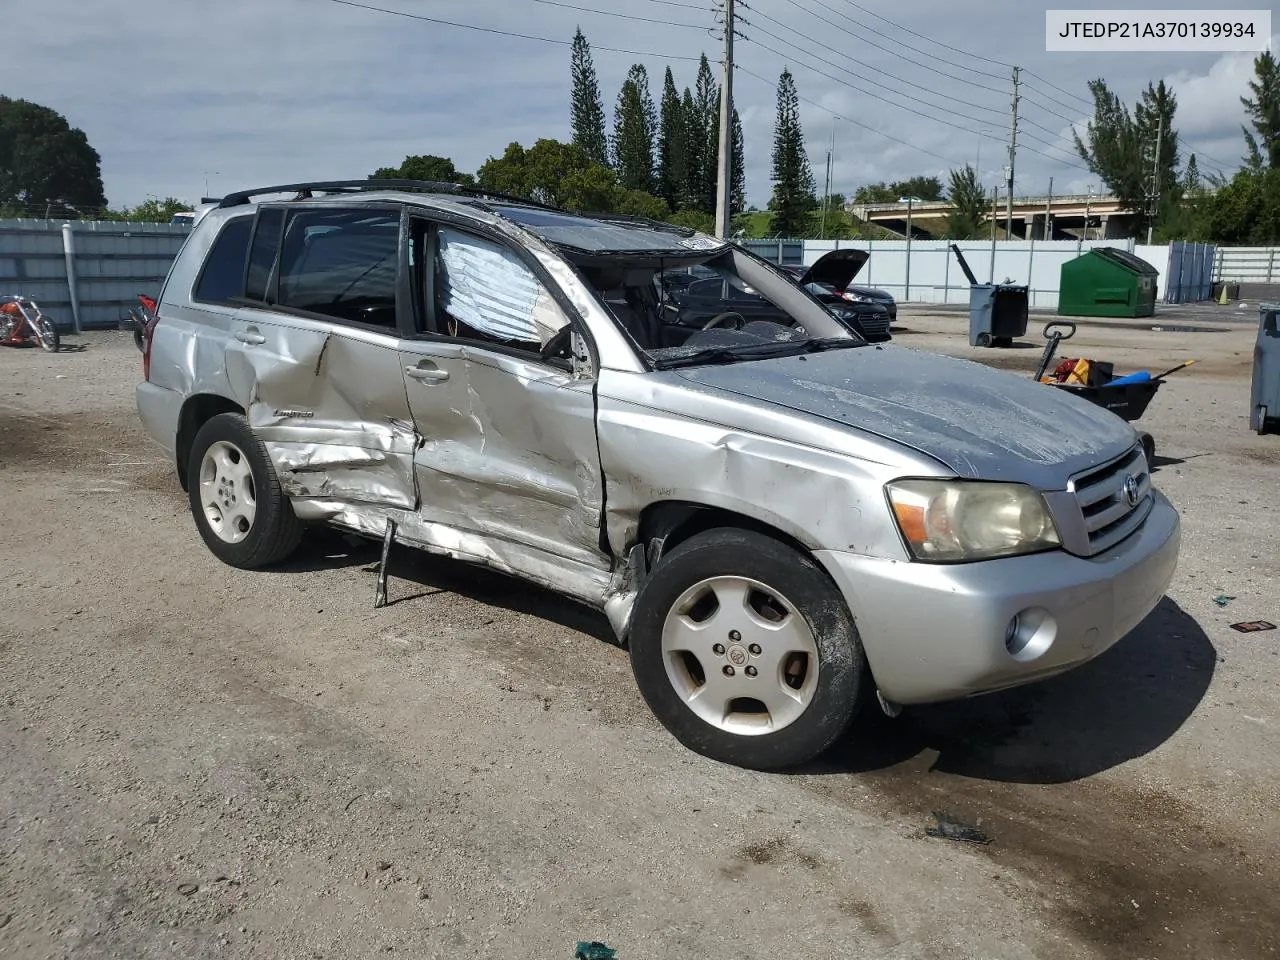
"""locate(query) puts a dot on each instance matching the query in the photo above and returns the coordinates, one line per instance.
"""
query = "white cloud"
(259, 92)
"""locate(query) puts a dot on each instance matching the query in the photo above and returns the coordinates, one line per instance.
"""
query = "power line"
(502, 33)
(857, 123)
(944, 46)
(841, 53)
(897, 52)
(940, 120)
(625, 16)
(1074, 96)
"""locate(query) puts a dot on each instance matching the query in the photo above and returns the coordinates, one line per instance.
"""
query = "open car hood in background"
(837, 268)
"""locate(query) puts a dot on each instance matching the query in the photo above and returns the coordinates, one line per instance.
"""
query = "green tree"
(1246, 210)
(586, 106)
(1121, 144)
(562, 175)
(151, 210)
(875, 193)
(1263, 109)
(1191, 177)
(704, 129)
(694, 219)
(738, 176)
(793, 189)
(634, 132)
(695, 153)
(425, 167)
(969, 200)
(673, 173)
(45, 163)
(920, 187)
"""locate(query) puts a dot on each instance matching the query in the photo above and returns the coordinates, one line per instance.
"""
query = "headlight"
(946, 521)
(855, 297)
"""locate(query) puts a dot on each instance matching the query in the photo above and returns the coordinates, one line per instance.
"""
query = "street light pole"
(909, 201)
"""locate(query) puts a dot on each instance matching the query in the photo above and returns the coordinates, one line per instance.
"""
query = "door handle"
(428, 374)
(250, 336)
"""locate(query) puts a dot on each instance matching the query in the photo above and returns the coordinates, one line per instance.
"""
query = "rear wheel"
(745, 651)
(49, 334)
(984, 340)
(242, 513)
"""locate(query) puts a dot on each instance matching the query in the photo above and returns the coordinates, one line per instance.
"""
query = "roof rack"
(304, 190)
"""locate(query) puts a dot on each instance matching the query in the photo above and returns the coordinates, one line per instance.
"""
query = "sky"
(181, 98)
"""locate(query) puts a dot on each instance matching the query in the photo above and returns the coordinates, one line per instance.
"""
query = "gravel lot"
(199, 762)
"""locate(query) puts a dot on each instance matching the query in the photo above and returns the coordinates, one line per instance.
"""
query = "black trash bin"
(1264, 394)
(997, 311)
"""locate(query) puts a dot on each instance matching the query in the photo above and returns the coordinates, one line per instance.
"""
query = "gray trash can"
(1264, 400)
(997, 311)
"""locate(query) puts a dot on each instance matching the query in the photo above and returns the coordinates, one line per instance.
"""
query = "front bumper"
(934, 633)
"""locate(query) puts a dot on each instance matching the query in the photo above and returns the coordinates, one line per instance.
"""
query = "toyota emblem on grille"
(1131, 489)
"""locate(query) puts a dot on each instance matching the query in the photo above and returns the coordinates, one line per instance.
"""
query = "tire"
(984, 340)
(49, 330)
(788, 733)
(256, 525)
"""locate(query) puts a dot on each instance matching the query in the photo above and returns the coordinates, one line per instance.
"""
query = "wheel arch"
(667, 523)
(197, 410)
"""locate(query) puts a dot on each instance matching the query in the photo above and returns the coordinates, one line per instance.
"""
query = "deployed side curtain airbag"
(491, 290)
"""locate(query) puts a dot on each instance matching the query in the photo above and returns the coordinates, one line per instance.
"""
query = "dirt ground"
(198, 762)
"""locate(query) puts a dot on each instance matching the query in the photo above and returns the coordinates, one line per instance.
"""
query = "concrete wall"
(111, 263)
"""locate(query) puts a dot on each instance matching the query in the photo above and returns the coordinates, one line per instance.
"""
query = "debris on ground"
(949, 828)
(593, 950)
(1253, 626)
(1222, 600)
(187, 889)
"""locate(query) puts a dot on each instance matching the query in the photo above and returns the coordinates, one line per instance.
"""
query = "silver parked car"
(781, 521)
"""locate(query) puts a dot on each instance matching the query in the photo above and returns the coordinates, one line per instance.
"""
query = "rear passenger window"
(222, 277)
(342, 264)
(262, 256)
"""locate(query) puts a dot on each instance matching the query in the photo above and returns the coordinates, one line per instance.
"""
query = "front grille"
(1110, 511)
(874, 326)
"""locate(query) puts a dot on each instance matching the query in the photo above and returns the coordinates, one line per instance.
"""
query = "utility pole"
(1155, 180)
(1013, 150)
(1048, 212)
(826, 196)
(995, 194)
(724, 178)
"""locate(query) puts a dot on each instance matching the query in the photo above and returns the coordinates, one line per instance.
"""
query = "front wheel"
(745, 651)
(49, 339)
(242, 513)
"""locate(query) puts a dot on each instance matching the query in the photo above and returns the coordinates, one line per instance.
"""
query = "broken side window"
(485, 292)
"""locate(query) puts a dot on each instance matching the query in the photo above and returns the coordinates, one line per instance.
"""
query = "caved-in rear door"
(328, 397)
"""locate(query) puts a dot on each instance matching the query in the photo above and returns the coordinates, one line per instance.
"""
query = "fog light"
(1030, 633)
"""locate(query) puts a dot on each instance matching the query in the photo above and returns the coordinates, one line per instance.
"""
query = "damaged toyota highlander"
(781, 521)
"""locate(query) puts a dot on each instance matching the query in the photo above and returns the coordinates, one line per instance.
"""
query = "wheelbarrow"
(1126, 396)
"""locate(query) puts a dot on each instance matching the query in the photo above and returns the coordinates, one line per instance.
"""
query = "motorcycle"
(138, 319)
(22, 322)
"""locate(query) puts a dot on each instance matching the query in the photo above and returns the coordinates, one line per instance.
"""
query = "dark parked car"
(838, 269)
(699, 301)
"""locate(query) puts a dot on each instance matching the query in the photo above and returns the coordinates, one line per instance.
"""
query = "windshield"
(728, 308)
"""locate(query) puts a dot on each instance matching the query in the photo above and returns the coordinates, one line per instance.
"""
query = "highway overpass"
(1107, 218)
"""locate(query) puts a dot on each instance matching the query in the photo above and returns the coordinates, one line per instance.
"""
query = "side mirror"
(558, 347)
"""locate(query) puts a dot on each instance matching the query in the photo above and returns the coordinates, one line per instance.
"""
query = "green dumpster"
(1107, 282)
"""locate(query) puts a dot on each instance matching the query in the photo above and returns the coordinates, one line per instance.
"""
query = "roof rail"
(240, 197)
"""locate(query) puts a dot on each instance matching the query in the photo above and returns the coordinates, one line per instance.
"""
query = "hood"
(837, 268)
(981, 423)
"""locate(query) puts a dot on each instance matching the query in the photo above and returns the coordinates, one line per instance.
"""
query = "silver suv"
(780, 521)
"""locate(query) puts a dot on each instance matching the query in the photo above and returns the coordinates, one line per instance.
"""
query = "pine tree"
(587, 110)
(706, 131)
(738, 178)
(673, 172)
(1191, 178)
(1263, 110)
(694, 152)
(793, 188)
(634, 131)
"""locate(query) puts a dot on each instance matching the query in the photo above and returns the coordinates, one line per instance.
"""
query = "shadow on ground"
(414, 574)
(1120, 706)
